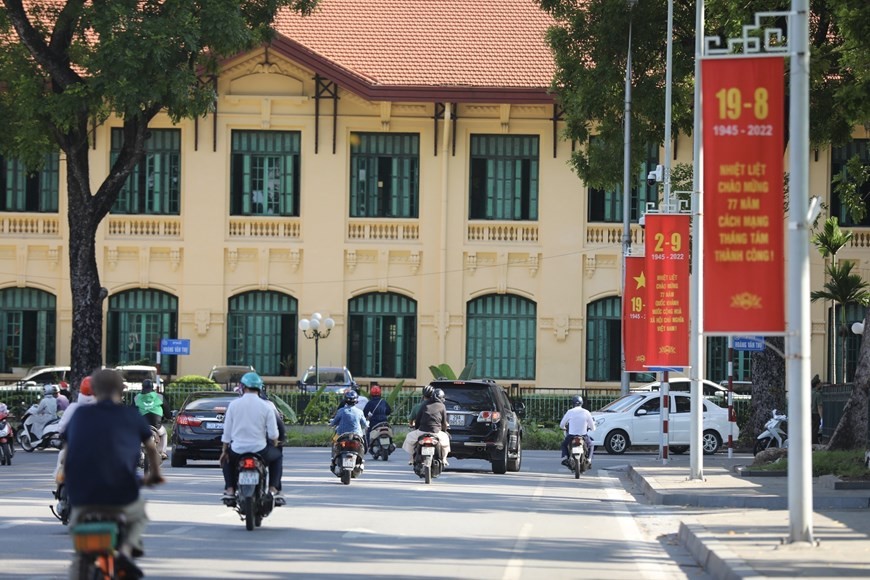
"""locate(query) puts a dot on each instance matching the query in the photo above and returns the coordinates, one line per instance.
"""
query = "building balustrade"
(144, 226)
(860, 237)
(611, 235)
(383, 230)
(491, 231)
(265, 228)
(30, 224)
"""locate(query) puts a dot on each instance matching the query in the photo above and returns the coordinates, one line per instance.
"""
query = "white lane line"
(179, 531)
(8, 525)
(539, 491)
(514, 568)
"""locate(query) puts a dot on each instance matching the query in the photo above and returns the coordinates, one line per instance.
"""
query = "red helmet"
(375, 391)
(85, 387)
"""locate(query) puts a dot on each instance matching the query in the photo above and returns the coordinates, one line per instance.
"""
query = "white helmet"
(50, 390)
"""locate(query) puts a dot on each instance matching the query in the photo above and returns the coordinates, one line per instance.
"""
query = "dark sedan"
(199, 426)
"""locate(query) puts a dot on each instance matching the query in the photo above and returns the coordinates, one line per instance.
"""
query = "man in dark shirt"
(103, 442)
(431, 418)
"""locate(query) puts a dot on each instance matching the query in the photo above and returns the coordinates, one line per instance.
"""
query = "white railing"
(265, 228)
(860, 237)
(28, 224)
(611, 235)
(520, 232)
(144, 226)
(383, 230)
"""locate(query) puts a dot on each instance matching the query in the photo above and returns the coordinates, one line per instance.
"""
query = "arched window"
(382, 336)
(137, 320)
(27, 327)
(261, 331)
(604, 340)
(854, 313)
(500, 337)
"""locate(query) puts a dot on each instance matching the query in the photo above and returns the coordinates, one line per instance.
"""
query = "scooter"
(61, 509)
(578, 460)
(96, 540)
(252, 501)
(381, 441)
(428, 462)
(347, 457)
(7, 450)
(143, 459)
(774, 434)
(29, 441)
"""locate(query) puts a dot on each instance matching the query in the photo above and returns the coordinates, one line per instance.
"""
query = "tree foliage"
(66, 66)
(590, 44)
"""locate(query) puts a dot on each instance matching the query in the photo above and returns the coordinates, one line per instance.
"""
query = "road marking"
(180, 531)
(514, 567)
(8, 525)
(539, 491)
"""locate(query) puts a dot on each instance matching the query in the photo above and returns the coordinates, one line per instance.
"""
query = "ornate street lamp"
(316, 328)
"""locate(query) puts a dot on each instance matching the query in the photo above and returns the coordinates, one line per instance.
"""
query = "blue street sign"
(175, 346)
(750, 343)
(665, 369)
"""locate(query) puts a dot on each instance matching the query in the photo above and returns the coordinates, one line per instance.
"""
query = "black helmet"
(439, 394)
(576, 401)
(147, 386)
(350, 397)
(428, 391)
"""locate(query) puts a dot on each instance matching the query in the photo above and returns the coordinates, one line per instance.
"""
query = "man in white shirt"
(251, 426)
(577, 421)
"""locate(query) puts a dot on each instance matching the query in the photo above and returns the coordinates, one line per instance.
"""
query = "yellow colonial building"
(399, 170)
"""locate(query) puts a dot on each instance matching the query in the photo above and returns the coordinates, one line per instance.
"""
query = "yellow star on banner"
(641, 281)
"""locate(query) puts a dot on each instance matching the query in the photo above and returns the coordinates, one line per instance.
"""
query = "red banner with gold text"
(634, 323)
(667, 295)
(744, 273)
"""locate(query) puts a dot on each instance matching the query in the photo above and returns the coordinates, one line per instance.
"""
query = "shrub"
(542, 438)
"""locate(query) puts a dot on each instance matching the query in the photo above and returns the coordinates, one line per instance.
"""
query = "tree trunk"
(768, 386)
(851, 431)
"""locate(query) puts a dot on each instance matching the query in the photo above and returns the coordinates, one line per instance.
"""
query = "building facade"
(431, 212)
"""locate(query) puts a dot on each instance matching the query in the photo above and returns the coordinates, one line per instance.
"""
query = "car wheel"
(617, 442)
(679, 449)
(178, 460)
(710, 442)
(499, 464)
(514, 464)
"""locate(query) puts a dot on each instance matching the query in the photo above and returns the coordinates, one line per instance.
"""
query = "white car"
(37, 377)
(635, 419)
(710, 389)
(134, 375)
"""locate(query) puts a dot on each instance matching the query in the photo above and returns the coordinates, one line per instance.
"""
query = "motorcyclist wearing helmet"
(349, 418)
(577, 421)
(153, 407)
(86, 397)
(45, 413)
(431, 418)
(377, 410)
(251, 426)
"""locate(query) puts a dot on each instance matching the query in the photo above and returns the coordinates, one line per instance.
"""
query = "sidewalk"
(741, 537)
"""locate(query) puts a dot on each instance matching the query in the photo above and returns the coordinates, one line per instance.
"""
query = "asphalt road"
(469, 523)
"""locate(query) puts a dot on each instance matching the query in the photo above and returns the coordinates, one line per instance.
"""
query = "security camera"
(655, 176)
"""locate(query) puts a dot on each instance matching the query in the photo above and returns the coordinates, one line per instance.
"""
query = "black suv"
(484, 424)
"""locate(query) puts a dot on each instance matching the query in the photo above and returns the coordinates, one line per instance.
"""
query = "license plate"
(349, 462)
(576, 450)
(385, 440)
(455, 419)
(249, 478)
(428, 451)
(215, 426)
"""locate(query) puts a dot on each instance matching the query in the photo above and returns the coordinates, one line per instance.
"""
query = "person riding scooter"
(577, 422)
(377, 410)
(350, 419)
(153, 407)
(45, 413)
(431, 418)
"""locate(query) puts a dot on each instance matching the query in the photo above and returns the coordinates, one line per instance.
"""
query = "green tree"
(65, 66)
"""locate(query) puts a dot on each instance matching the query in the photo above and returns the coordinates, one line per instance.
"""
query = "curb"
(713, 556)
(771, 502)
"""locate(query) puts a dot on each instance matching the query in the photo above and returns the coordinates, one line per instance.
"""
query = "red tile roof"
(460, 44)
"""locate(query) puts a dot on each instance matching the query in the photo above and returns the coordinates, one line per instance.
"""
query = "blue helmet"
(252, 381)
(350, 397)
(576, 401)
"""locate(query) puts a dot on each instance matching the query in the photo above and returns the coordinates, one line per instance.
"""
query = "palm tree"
(843, 287)
(829, 241)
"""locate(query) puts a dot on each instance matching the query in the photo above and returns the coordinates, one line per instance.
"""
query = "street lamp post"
(626, 185)
(311, 328)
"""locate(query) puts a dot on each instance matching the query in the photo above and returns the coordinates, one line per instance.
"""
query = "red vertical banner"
(667, 296)
(744, 272)
(634, 322)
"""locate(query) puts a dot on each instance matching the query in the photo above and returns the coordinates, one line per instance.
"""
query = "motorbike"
(7, 436)
(143, 460)
(428, 462)
(253, 502)
(29, 441)
(61, 509)
(578, 459)
(381, 441)
(774, 434)
(347, 457)
(96, 540)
